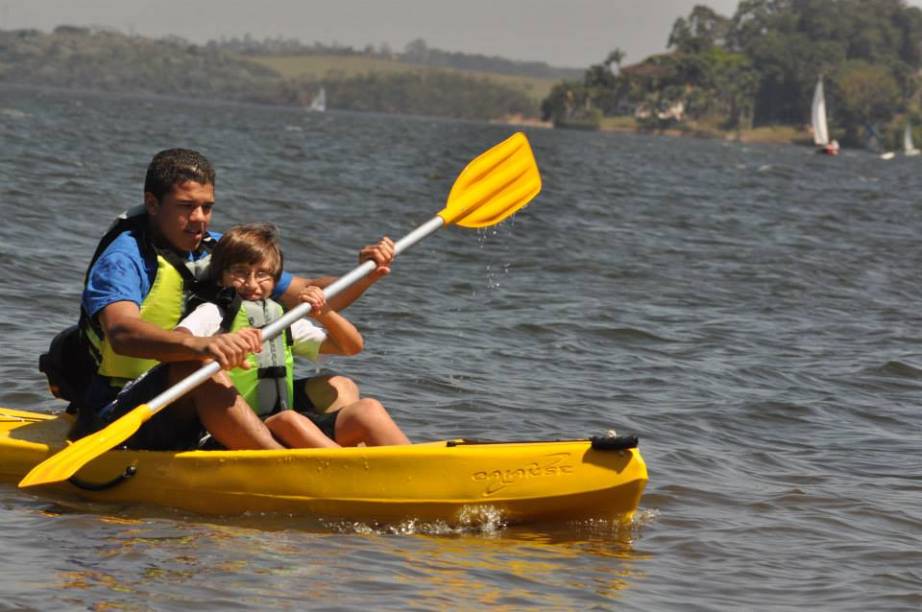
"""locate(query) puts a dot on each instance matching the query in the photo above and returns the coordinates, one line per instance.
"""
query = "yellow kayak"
(447, 480)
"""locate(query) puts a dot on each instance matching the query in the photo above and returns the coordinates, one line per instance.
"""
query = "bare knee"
(345, 388)
(368, 407)
(330, 393)
(297, 431)
(280, 418)
(367, 421)
(344, 385)
(359, 418)
(281, 424)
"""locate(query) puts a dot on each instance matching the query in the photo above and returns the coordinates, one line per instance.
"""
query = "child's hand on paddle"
(316, 298)
(382, 253)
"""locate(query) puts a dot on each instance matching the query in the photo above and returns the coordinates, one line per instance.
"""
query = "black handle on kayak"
(614, 442)
(102, 486)
(606, 442)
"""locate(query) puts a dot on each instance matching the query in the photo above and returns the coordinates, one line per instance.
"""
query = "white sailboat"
(909, 149)
(319, 103)
(818, 119)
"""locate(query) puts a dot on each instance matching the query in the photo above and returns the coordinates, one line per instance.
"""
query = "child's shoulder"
(203, 309)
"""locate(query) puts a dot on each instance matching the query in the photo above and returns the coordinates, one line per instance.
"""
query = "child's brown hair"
(249, 244)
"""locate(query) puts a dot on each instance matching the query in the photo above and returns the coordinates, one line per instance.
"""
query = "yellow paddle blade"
(62, 465)
(494, 185)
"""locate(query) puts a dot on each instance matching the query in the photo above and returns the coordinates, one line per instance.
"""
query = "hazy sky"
(561, 32)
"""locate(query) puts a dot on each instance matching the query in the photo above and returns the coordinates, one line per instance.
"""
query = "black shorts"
(168, 429)
(325, 421)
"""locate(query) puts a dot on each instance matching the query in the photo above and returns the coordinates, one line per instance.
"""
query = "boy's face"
(252, 281)
(182, 216)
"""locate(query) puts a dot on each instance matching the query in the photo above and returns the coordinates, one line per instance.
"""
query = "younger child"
(247, 262)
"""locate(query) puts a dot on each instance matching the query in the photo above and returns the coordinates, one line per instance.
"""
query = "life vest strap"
(273, 372)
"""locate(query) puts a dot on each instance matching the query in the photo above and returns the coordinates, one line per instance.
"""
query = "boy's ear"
(151, 203)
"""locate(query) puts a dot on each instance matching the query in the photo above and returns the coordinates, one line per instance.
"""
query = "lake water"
(751, 311)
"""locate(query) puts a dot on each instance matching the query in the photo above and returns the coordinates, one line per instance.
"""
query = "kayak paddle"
(492, 187)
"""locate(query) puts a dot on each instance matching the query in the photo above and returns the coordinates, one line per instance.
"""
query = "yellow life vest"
(165, 304)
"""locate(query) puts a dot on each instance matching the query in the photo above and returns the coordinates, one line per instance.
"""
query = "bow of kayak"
(445, 480)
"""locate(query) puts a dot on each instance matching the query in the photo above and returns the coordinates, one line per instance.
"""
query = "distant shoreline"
(772, 134)
(776, 134)
(626, 125)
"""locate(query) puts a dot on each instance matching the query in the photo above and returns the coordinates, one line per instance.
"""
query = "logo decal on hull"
(551, 466)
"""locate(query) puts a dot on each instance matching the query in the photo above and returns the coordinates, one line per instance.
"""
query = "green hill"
(328, 68)
(90, 58)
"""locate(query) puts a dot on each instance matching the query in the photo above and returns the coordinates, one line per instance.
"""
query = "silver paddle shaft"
(278, 326)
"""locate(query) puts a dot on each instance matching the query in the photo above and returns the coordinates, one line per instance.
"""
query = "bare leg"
(330, 393)
(367, 421)
(297, 431)
(223, 412)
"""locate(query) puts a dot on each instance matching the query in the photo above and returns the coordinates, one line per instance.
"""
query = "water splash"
(477, 520)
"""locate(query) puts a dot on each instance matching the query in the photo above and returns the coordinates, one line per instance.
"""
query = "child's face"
(252, 281)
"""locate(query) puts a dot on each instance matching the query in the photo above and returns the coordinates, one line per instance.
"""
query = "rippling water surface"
(752, 311)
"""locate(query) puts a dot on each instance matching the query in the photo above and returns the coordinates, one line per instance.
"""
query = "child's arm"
(382, 253)
(342, 338)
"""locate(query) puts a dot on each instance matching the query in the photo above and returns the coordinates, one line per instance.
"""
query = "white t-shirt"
(206, 321)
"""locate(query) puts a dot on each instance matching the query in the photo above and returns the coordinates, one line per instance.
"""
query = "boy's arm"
(132, 336)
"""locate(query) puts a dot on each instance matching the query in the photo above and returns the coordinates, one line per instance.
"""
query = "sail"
(908, 147)
(319, 103)
(818, 116)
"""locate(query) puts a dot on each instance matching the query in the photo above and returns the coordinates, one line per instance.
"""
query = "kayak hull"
(452, 481)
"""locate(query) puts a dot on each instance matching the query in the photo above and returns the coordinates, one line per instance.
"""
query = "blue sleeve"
(282, 286)
(115, 277)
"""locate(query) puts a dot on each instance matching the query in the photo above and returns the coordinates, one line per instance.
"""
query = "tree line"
(107, 60)
(760, 66)
(416, 52)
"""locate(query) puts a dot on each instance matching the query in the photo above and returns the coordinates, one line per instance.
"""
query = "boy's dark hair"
(248, 244)
(173, 166)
